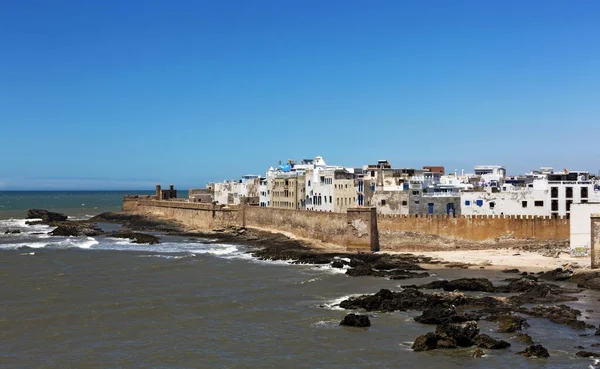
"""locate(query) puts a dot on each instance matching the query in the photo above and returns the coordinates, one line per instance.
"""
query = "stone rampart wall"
(395, 232)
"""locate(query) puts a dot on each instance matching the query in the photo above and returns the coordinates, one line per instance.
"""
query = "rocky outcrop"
(509, 323)
(137, 237)
(558, 274)
(589, 280)
(444, 315)
(523, 338)
(462, 284)
(587, 354)
(12, 231)
(560, 314)
(45, 215)
(448, 336)
(535, 351)
(425, 342)
(487, 342)
(478, 353)
(76, 230)
(356, 320)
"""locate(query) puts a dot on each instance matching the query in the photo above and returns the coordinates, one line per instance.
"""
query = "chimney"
(158, 192)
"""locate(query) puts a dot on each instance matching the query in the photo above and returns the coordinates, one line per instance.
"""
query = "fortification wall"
(321, 226)
(395, 232)
(203, 217)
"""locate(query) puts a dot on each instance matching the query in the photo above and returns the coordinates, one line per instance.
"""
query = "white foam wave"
(331, 270)
(335, 303)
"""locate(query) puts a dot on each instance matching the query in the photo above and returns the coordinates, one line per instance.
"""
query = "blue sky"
(124, 94)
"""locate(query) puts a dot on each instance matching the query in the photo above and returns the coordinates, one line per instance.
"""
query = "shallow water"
(105, 303)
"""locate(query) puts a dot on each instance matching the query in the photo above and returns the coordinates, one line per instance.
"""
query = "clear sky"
(126, 94)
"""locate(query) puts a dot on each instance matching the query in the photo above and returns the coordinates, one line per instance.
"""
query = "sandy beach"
(499, 259)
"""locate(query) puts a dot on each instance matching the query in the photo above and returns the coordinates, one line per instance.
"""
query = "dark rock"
(534, 292)
(579, 347)
(597, 332)
(435, 285)
(463, 284)
(535, 351)
(136, 237)
(510, 323)
(454, 334)
(13, 231)
(589, 280)
(560, 314)
(523, 338)
(478, 353)
(510, 271)
(587, 354)
(45, 215)
(487, 342)
(595, 345)
(337, 264)
(76, 230)
(425, 342)
(443, 315)
(557, 274)
(386, 300)
(65, 231)
(469, 284)
(356, 320)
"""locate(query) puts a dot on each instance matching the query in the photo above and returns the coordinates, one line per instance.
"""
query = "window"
(330, 199)
(584, 192)
(492, 205)
(569, 202)
(554, 205)
(554, 192)
(382, 202)
(524, 204)
(404, 203)
(467, 202)
(308, 183)
(415, 193)
(479, 203)
(569, 192)
(372, 173)
(538, 203)
(372, 187)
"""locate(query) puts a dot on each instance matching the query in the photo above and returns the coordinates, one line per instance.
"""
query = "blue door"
(430, 208)
(450, 208)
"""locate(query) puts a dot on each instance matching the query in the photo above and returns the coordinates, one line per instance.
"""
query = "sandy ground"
(499, 259)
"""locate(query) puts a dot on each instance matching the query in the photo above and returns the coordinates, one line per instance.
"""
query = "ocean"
(100, 302)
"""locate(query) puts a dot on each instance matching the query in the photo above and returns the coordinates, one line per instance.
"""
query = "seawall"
(391, 232)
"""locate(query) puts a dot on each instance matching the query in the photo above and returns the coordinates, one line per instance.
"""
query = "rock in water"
(587, 354)
(478, 353)
(485, 341)
(137, 237)
(457, 334)
(425, 342)
(356, 320)
(443, 314)
(535, 351)
(510, 323)
(13, 231)
(524, 338)
(469, 284)
(45, 215)
(337, 264)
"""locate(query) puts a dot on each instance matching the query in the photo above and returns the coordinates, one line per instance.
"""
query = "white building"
(547, 194)
(581, 227)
